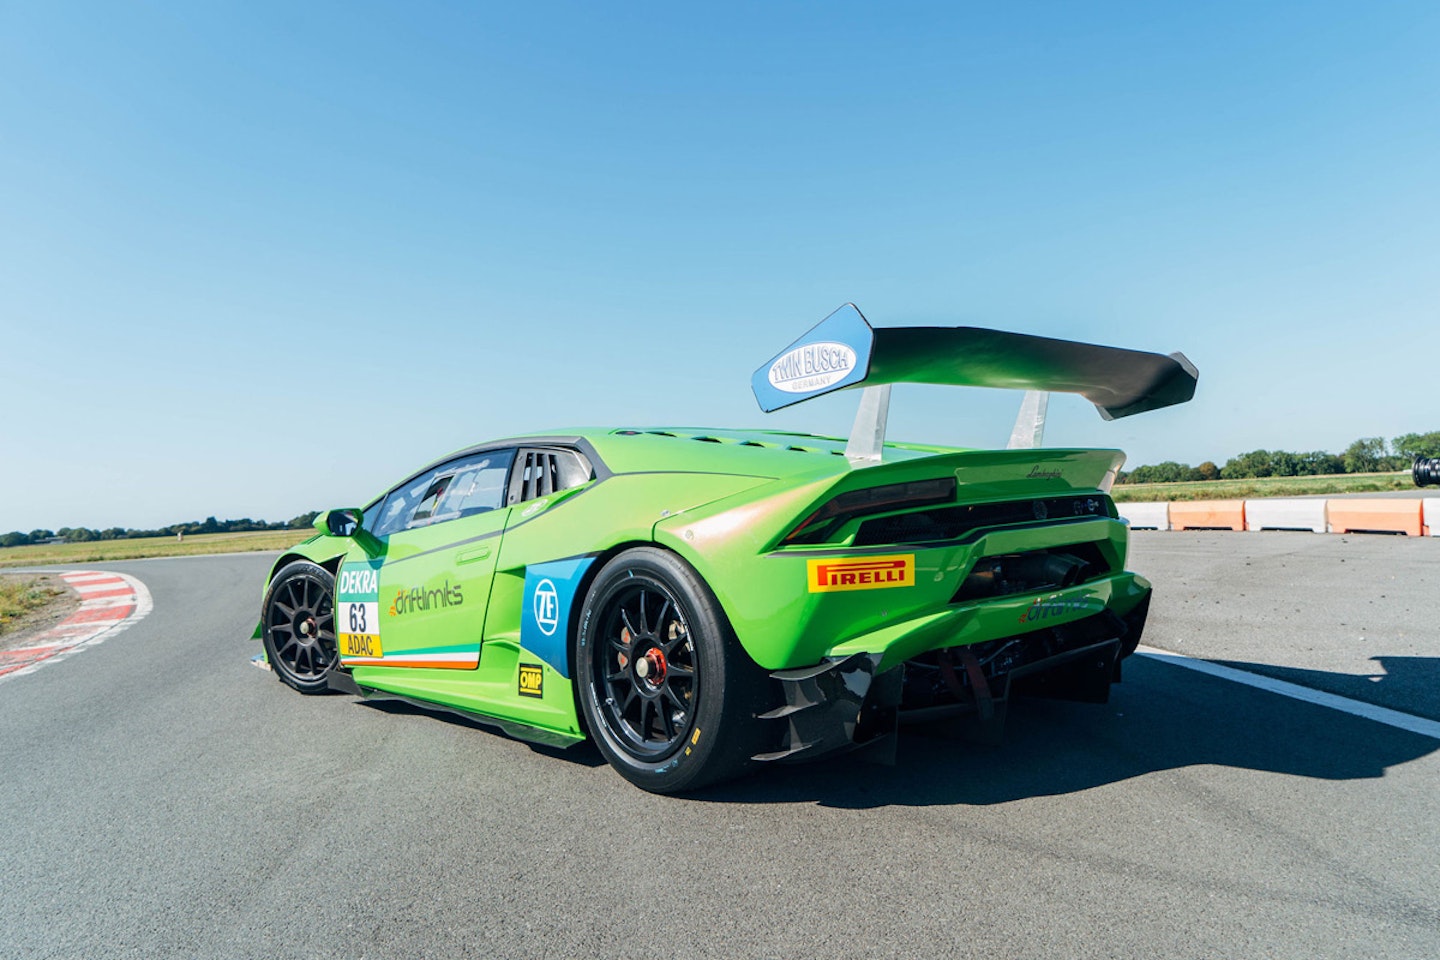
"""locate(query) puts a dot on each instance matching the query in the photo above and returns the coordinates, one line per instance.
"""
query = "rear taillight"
(838, 511)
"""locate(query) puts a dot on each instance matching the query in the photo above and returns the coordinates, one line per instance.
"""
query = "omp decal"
(811, 367)
(545, 609)
(357, 611)
(531, 682)
(869, 573)
(452, 657)
(109, 603)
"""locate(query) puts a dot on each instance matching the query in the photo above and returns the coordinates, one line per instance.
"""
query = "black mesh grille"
(1016, 573)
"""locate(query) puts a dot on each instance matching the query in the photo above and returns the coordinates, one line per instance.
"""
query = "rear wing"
(844, 351)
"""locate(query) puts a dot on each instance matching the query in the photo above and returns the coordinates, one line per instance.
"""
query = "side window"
(399, 504)
(544, 472)
(459, 488)
(372, 515)
(475, 486)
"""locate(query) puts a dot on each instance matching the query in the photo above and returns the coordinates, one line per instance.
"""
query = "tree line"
(17, 538)
(1366, 455)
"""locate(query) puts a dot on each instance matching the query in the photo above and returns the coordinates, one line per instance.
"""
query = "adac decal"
(419, 599)
(532, 680)
(357, 609)
(1048, 608)
(861, 573)
(453, 657)
(545, 610)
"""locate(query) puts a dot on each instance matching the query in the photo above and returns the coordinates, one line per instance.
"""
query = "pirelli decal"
(861, 573)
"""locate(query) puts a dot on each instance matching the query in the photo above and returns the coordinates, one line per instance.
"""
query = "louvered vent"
(541, 476)
(543, 472)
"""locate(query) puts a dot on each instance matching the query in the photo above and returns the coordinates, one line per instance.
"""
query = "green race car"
(699, 602)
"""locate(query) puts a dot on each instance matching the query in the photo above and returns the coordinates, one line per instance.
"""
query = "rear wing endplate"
(844, 351)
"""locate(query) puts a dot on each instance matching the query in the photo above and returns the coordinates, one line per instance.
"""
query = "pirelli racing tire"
(299, 626)
(667, 693)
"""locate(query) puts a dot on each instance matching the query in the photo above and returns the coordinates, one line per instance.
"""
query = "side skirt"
(342, 682)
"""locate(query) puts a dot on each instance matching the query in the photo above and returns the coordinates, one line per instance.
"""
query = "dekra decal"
(358, 581)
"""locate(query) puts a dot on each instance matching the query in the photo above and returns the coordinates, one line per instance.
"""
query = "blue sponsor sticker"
(833, 355)
(545, 611)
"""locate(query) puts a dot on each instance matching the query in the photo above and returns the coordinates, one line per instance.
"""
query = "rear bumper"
(857, 701)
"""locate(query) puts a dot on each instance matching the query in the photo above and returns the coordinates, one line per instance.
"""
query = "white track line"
(80, 630)
(1356, 708)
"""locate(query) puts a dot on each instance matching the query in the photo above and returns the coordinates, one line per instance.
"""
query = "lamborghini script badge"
(861, 573)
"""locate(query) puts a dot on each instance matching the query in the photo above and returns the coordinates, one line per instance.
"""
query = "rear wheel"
(300, 626)
(667, 693)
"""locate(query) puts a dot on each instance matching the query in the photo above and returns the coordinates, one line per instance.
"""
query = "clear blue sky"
(257, 259)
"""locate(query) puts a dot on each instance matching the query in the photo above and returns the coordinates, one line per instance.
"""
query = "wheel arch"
(331, 563)
(572, 629)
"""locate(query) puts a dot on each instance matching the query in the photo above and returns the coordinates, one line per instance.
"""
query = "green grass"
(20, 595)
(100, 551)
(1262, 487)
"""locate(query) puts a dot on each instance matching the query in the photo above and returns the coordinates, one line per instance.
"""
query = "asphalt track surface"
(163, 798)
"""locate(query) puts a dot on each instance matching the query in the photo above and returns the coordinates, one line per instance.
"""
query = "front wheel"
(299, 626)
(667, 693)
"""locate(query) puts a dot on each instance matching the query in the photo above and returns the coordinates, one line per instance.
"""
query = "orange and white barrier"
(1286, 513)
(1151, 516)
(1207, 515)
(1390, 515)
(1412, 516)
(1430, 513)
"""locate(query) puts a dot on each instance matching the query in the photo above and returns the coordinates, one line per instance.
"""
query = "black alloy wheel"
(647, 675)
(299, 626)
(666, 691)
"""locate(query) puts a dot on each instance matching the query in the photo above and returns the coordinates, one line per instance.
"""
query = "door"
(417, 597)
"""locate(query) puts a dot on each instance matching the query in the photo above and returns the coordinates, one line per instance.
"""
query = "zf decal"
(532, 680)
(545, 610)
(870, 573)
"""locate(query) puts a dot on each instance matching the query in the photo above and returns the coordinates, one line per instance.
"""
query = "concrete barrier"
(1394, 515)
(1430, 513)
(1207, 515)
(1152, 516)
(1285, 513)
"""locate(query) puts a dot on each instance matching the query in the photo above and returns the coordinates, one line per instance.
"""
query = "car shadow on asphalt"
(1163, 717)
(583, 754)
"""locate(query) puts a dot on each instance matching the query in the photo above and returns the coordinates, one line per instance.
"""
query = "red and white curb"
(109, 602)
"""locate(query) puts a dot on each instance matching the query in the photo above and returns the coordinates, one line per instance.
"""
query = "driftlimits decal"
(1042, 609)
(418, 599)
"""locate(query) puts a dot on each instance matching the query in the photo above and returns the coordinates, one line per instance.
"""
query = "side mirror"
(340, 523)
